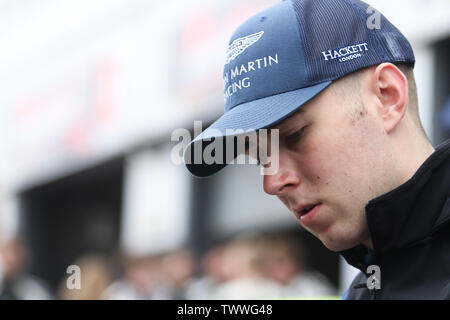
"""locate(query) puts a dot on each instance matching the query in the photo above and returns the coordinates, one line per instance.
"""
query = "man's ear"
(390, 87)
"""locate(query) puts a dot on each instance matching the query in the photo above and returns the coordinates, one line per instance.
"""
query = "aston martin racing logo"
(241, 44)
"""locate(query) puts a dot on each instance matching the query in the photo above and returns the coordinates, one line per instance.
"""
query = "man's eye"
(295, 136)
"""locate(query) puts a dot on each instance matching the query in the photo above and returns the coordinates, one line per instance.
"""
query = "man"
(354, 163)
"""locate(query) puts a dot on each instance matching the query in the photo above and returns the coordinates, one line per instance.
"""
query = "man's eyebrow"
(283, 123)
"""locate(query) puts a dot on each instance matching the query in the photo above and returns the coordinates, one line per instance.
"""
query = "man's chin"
(337, 245)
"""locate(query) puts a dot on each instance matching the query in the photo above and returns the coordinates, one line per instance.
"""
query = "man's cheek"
(317, 162)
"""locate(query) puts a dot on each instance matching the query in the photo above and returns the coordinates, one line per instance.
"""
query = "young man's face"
(339, 162)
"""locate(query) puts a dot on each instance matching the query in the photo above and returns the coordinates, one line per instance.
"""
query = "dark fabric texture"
(333, 24)
(410, 230)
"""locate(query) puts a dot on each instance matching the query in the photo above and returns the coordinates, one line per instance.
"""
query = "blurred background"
(90, 92)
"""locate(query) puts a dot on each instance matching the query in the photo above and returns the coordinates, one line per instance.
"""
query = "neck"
(411, 156)
(411, 149)
(368, 243)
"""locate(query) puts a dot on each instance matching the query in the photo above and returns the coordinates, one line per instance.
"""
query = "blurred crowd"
(15, 282)
(247, 267)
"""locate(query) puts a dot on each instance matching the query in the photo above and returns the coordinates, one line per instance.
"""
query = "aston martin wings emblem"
(241, 44)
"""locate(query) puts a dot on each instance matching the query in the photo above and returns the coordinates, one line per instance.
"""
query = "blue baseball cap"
(283, 57)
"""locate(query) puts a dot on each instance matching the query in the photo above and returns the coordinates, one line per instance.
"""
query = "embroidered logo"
(241, 44)
(346, 53)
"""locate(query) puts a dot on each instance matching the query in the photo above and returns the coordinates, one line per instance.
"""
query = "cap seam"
(303, 53)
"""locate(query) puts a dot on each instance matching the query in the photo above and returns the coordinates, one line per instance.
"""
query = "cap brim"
(251, 116)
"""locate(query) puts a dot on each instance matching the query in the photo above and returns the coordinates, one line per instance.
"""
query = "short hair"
(348, 88)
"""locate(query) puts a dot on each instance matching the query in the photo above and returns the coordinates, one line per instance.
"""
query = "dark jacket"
(410, 230)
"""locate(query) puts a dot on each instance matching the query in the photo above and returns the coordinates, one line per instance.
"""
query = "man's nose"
(282, 181)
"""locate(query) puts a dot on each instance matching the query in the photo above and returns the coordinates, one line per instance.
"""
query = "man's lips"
(307, 213)
(305, 209)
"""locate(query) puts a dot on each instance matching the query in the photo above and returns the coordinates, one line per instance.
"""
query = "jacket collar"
(409, 213)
